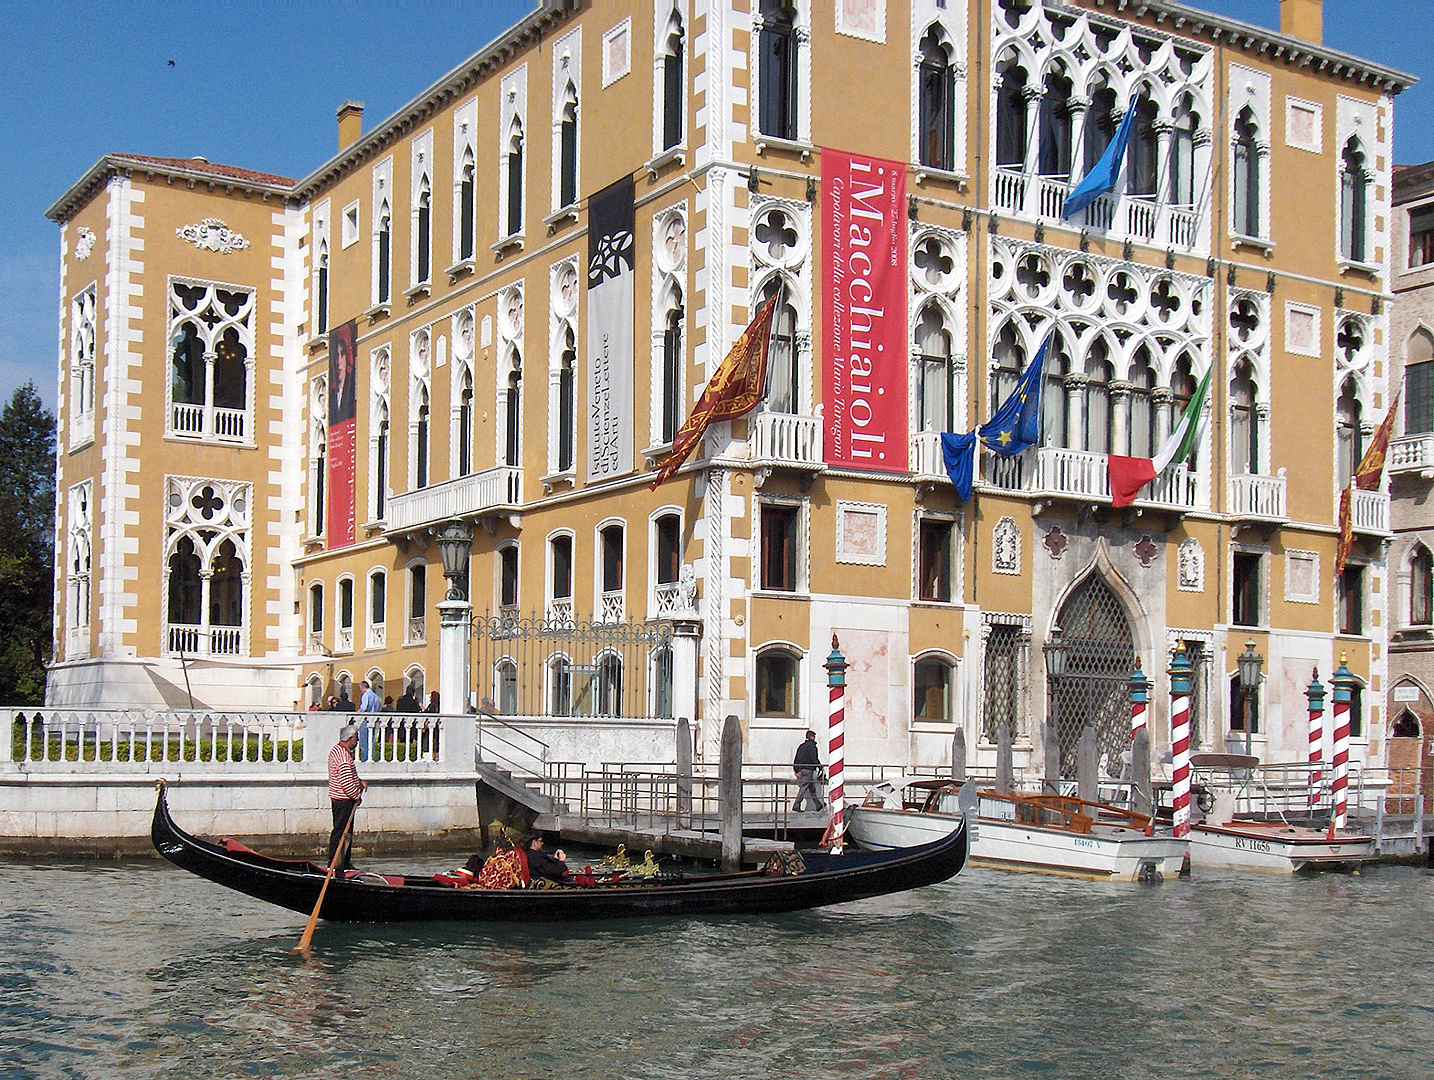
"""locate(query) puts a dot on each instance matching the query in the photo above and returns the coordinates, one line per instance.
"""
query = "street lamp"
(1250, 663)
(454, 544)
(1057, 654)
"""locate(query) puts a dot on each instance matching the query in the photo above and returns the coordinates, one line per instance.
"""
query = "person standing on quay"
(368, 701)
(807, 765)
(345, 792)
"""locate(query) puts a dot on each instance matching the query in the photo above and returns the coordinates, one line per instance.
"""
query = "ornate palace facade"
(498, 306)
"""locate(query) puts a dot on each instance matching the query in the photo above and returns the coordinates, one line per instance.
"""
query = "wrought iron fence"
(542, 666)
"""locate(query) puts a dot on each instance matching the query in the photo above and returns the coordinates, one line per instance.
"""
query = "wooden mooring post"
(729, 793)
(958, 755)
(1005, 770)
(684, 773)
(1088, 764)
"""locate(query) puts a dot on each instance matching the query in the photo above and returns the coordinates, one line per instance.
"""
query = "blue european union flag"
(1101, 177)
(1017, 423)
(959, 453)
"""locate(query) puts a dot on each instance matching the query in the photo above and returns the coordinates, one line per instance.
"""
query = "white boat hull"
(1103, 854)
(1286, 850)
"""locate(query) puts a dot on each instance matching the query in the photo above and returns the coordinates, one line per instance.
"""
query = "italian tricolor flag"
(1129, 474)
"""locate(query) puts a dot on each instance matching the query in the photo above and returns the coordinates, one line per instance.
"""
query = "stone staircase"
(503, 782)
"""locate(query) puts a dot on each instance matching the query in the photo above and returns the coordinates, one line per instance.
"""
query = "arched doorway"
(1099, 660)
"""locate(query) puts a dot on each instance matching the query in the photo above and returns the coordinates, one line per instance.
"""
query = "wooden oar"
(303, 945)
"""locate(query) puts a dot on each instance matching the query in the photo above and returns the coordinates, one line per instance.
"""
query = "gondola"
(813, 879)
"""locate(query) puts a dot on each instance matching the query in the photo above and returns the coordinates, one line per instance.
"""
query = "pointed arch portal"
(1093, 692)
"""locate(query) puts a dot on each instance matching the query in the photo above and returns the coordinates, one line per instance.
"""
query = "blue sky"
(256, 84)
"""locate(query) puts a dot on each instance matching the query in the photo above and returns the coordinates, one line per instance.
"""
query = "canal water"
(135, 969)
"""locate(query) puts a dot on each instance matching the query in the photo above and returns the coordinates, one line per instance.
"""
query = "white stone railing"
(1411, 453)
(1051, 196)
(612, 607)
(416, 632)
(786, 439)
(1259, 498)
(187, 419)
(488, 490)
(1010, 193)
(171, 743)
(1140, 215)
(1369, 511)
(667, 598)
(1072, 472)
(377, 635)
(197, 641)
(229, 423)
(1184, 227)
(77, 642)
(560, 611)
(344, 639)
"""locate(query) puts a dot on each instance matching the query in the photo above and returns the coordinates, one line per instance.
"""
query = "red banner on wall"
(864, 377)
(343, 398)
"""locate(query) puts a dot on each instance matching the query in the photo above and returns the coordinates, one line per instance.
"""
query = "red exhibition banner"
(343, 398)
(864, 373)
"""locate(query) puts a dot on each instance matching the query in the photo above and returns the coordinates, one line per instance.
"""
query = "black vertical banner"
(610, 334)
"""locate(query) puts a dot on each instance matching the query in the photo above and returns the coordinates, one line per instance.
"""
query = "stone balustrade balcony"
(493, 489)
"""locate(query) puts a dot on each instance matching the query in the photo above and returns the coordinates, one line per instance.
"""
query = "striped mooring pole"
(1344, 683)
(1315, 693)
(1179, 673)
(1139, 701)
(836, 740)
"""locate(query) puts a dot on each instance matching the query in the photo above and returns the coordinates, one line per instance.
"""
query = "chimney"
(350, 115)
(1302, 19)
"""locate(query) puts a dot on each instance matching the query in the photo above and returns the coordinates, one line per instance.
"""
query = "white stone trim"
(846, 509)
(1295, 105)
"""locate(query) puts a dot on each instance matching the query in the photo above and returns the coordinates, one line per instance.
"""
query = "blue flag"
(959, 453)
(1017, 423)
(1101, 177)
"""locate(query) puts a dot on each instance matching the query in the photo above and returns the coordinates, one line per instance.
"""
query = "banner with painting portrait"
(343, 399)
(610, 336)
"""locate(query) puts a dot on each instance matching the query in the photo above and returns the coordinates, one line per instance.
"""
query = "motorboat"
(1041, 833)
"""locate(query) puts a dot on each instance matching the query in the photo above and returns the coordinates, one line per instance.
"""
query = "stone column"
(1120, 411)
(453, 620)
(1077, 106)
(1075, 411)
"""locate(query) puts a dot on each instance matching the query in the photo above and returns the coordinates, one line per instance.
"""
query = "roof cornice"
(200, 172)
(1291, 50)
(481, 64)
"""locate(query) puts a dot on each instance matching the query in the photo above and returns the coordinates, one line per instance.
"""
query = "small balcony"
(612, 607)
(1137, 217)
(1083, 475)
(1258, 499)
(1369, 512)
(1412, 455)
(416, 631)
(377, 636)
(205, 641)
(77, 642)
(782, 440)
(927, 461)
(493, 489)
(204, 421)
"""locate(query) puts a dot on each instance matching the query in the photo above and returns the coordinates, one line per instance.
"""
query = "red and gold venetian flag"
(735, 389)
(1371, 466)
(1367, 477)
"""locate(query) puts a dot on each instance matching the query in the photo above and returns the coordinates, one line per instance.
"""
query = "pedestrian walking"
(808, 766)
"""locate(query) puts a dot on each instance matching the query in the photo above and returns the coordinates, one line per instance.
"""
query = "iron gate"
(1094, 690)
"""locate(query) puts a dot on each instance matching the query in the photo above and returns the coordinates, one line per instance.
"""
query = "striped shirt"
(343, 777)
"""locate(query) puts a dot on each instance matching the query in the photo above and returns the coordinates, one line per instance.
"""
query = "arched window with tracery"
(1011, 119)
(783, 387)
(937, 101)
(1141, 431)
(423, 232)
(1246, 174)
(211, 361)
(1142, 155)
(383, 255)
(777, 69)
(1099, 406)
(568, 148)
(1100, 122)
(1182, 153)
(1419, 383)
(1055, 127)
(1349, 437)
(1244, 424)
(567, 403)
(207, 539)
(513, 185)
(936, 386)
(674, 85)
(1421, 587)
(1353, 202)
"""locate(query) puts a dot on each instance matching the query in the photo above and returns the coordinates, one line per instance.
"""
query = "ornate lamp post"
(1057, 652)
(1250, 663)
(455, 541)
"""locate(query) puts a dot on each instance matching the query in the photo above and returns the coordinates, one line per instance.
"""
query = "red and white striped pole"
(836, 739)
(1344, 683)
(1315, 693)
(1139, 701)
(1179, 673)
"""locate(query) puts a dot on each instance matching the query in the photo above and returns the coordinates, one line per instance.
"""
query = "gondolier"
(345, 792)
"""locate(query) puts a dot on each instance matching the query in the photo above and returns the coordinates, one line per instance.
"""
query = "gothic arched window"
(937, 102)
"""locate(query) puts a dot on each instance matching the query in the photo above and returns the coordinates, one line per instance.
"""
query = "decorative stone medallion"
(212, 234)
(1056, 542)
(1006, 547)
(1190, 566)
(84, 244)
(1145, 551)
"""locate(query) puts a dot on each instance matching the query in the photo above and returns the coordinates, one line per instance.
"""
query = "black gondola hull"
(295, 884)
